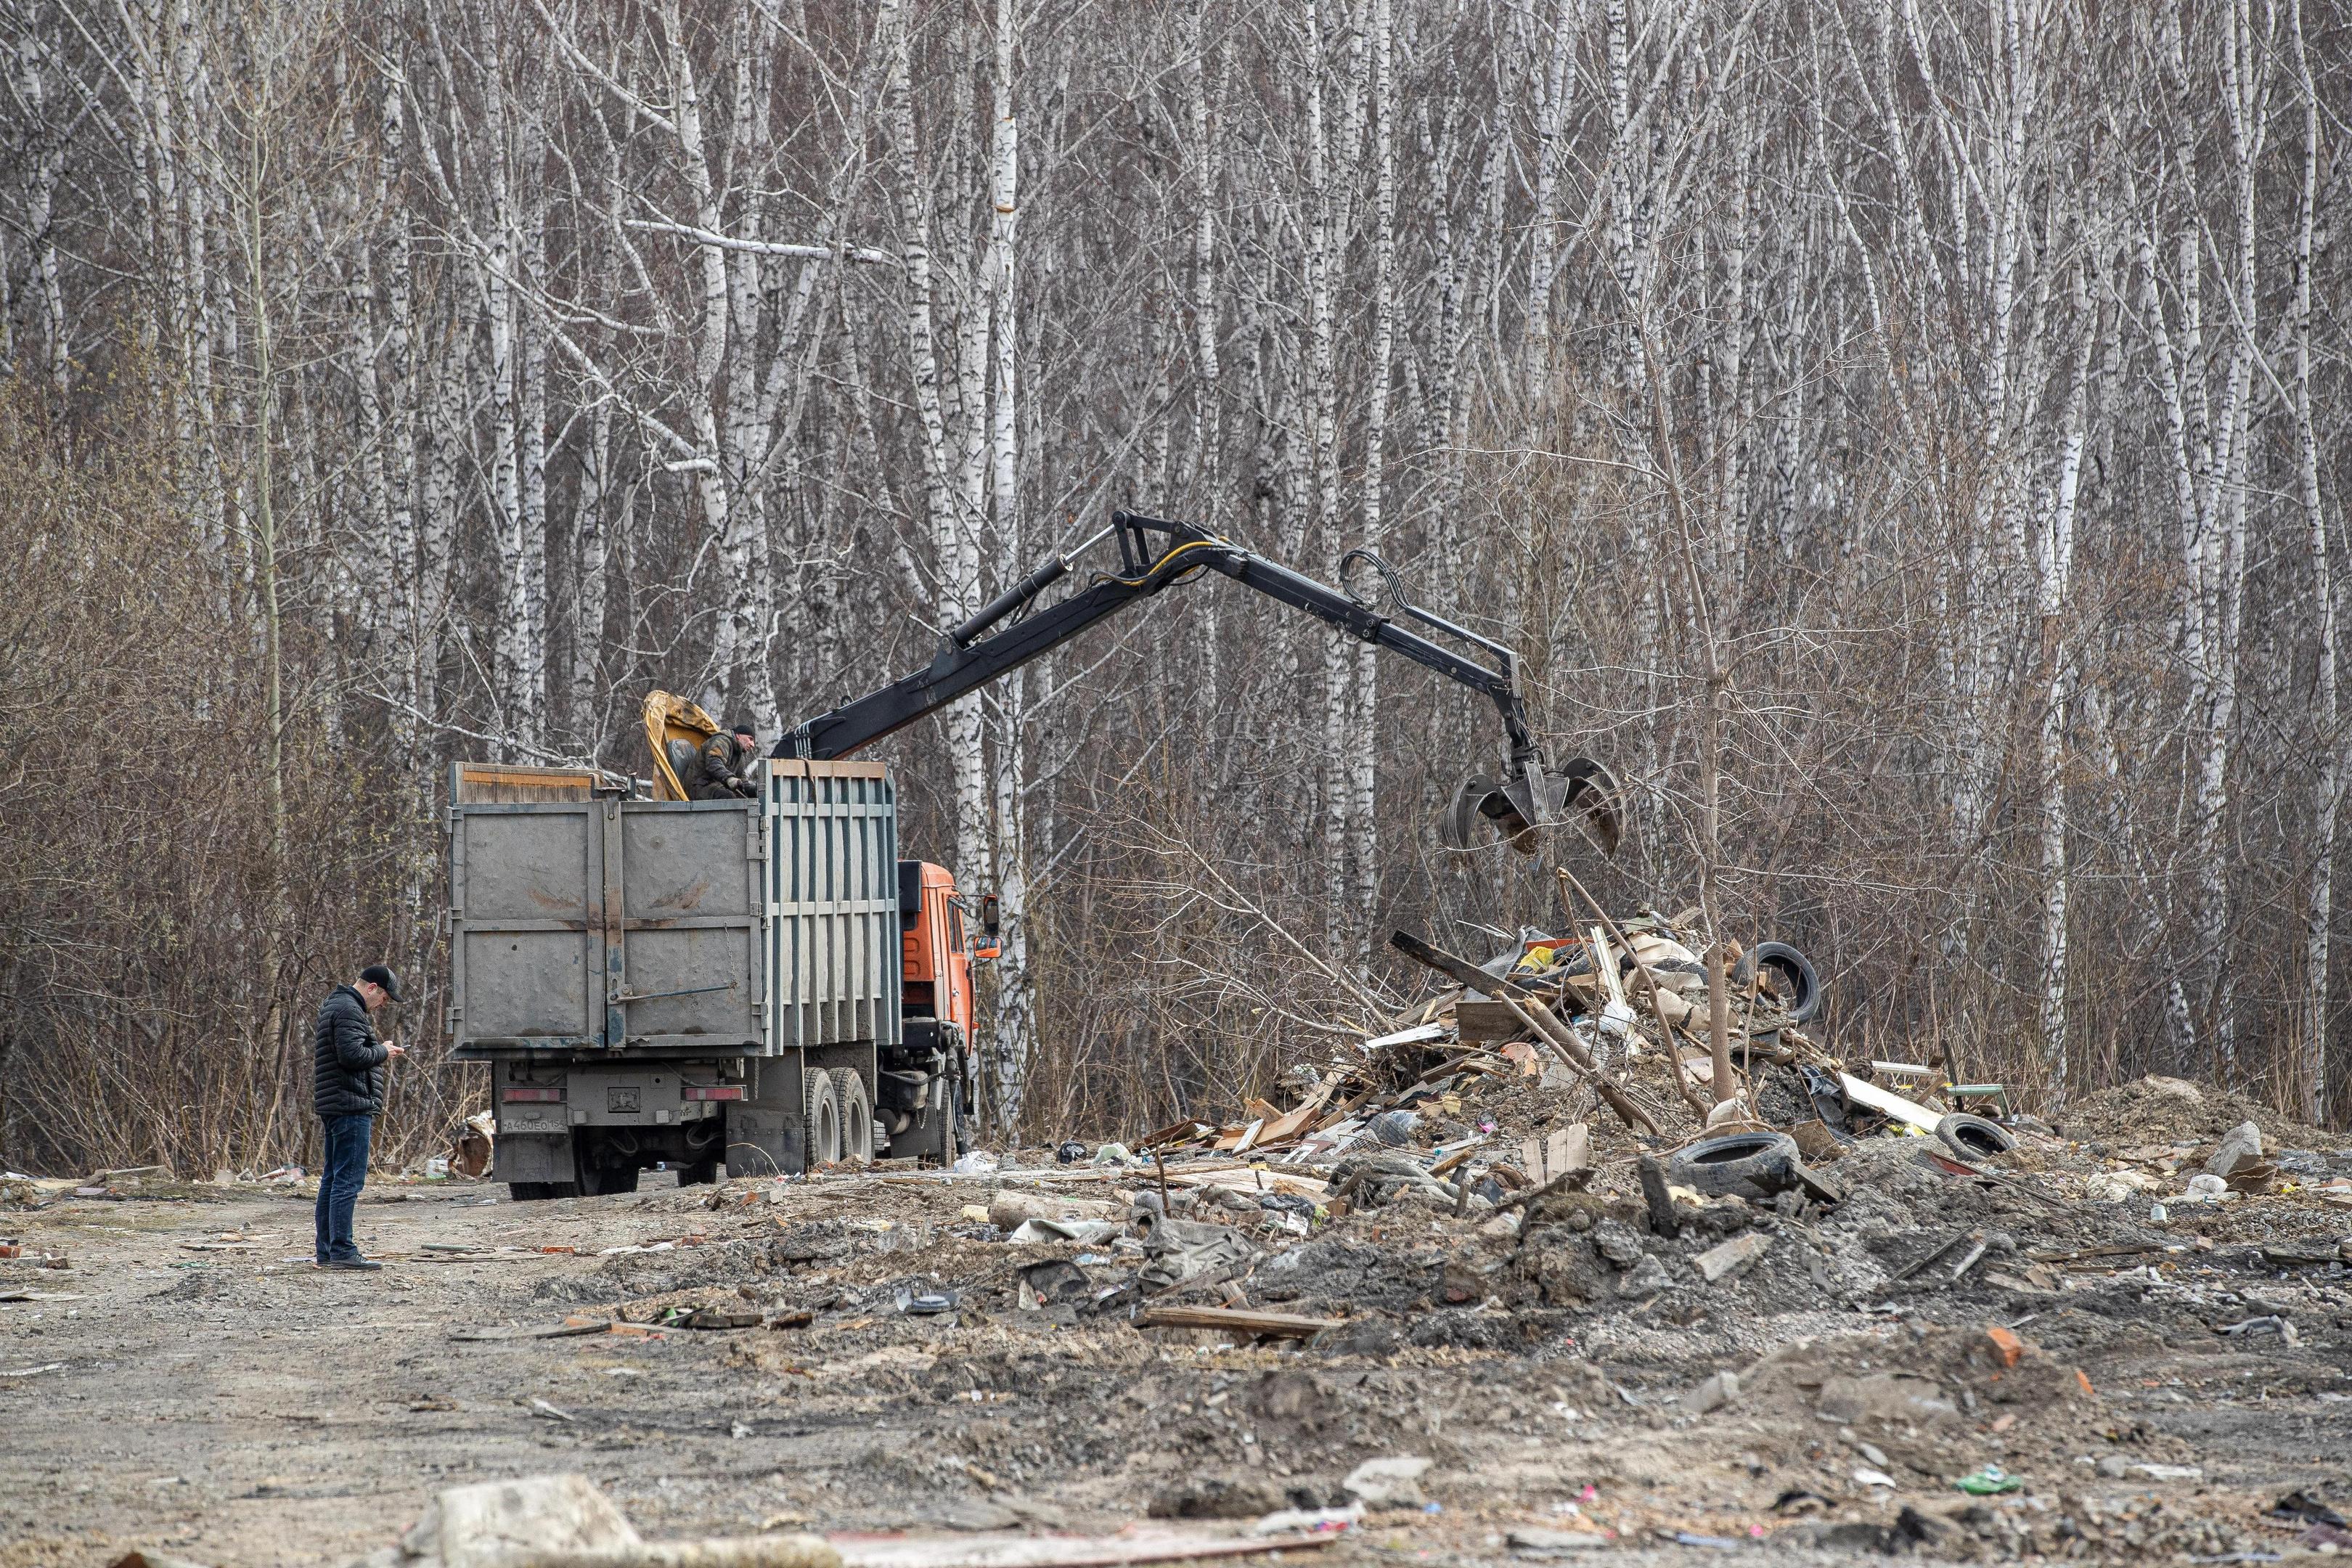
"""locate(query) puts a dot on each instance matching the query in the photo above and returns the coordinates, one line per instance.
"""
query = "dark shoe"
(350, 1263)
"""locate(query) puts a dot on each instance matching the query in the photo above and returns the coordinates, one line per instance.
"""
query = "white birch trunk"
(1014, 1035)
(2327, 783)
(2054, 564)
(1324, 241)
(591, 550)
(43, 166)
(194, 102)
(1363, 728)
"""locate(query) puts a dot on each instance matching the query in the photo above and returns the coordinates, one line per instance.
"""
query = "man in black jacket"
(730, 762)
(347, 1064)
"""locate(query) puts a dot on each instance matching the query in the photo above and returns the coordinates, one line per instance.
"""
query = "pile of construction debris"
(1612, 1017)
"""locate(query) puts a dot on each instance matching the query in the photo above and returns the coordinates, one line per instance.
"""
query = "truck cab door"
(959, 966)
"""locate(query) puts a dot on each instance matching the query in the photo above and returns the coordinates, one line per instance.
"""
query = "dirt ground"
(187, 1382)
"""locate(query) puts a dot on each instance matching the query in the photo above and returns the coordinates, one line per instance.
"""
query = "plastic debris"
(1990, 1481)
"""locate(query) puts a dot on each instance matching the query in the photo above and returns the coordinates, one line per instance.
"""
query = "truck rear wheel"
(857, 1115)
(538, 1192)
(821, 1113)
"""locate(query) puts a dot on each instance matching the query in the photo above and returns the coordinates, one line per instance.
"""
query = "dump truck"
(761, 985)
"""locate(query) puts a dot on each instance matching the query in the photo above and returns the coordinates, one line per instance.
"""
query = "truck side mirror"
(988, 946)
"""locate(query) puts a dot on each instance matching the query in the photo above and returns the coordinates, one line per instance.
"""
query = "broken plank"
(568, 1328)
(1487, 1020)
(1420, 1034)
(1289, 1125)
(1269, 1325)
(1886, 1102)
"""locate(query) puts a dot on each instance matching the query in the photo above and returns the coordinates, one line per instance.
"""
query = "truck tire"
(1753, 1165)
(599, 1180)
(857, 1115)
(540, 1192)
(821, 1112)
(955, 1134)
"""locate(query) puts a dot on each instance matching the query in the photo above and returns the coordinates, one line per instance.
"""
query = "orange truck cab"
(935, 1054)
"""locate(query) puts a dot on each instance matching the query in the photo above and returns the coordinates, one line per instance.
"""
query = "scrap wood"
(2127, 1249)
(1539, 1019)
(1238, 1178)
(1420, 1034)
(1266, 1325)
(1940, 1250)
(565, 1329)
(1888, 1103)
(1288, 1126)
(1456, 1158)
(1682, 1083)
(1137, 1545)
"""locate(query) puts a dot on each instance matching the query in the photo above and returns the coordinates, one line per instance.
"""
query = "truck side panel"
(691, 925)
(523, 896)
(603, 924)
(833, 904)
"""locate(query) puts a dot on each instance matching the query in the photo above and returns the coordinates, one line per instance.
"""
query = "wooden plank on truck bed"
(503, 783)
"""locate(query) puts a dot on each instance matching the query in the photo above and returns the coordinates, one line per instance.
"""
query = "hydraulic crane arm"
(1155, 555)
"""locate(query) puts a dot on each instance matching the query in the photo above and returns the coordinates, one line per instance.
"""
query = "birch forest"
(1895, 435)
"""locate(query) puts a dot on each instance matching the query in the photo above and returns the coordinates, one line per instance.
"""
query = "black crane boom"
(1156, 554)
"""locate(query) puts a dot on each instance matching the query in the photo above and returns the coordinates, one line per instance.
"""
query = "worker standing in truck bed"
(729, 760)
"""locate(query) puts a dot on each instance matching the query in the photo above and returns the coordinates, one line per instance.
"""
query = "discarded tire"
(1972, 1137)
(1793, 981)
(1748, 1164)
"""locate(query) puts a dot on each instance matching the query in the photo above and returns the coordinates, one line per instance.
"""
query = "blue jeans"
(341, 1176)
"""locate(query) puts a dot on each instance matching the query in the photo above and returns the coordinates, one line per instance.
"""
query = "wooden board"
(1887, 1102)
(1556, 1152)
(485, 784)
(1486, 1021)
(1276, 1325)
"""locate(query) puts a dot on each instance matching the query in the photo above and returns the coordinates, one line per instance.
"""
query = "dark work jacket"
(346, 1059)
(722, 759)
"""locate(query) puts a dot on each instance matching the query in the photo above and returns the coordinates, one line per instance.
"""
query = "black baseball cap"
(377, 975)
(741, 728)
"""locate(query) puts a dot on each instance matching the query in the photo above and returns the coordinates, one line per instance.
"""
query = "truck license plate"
(617, 1100)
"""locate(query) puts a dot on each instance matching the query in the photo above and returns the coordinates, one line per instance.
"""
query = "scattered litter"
(925, 1304)
(1988, 1481)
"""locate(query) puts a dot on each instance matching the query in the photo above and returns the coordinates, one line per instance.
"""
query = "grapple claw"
(1531, 798)
(1459, 827)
